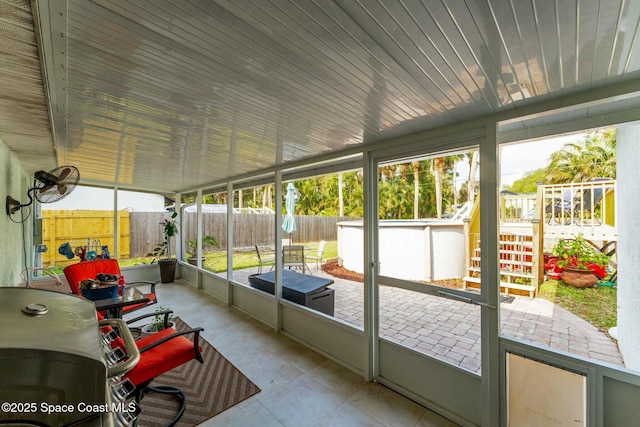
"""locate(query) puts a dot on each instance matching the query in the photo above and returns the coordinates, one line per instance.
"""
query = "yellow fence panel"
(82, 228)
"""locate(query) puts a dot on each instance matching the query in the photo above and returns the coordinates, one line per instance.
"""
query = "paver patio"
(450, 330)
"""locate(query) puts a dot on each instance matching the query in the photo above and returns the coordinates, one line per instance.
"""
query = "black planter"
(167, 270)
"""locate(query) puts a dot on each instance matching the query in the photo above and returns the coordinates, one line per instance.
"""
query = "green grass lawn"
(596, 305)
(216, 261)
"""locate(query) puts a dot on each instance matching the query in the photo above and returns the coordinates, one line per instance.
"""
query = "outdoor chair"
(317, 256)
(293, 257)
(159, 353)
(270, 259)
(75, 273)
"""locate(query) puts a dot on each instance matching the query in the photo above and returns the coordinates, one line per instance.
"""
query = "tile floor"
(298, 386)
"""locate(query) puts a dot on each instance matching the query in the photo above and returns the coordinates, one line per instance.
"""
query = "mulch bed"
(332, 268)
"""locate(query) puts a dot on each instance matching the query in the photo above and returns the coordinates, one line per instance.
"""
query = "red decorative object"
(554, 271)
(551, 267)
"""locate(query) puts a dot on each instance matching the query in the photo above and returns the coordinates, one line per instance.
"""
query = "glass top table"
(113, 306)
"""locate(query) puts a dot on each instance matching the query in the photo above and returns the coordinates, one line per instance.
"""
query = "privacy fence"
(141, 231)
(249, 229)
(90, 229)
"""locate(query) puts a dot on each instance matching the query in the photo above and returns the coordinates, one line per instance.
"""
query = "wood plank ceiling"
(170, 95)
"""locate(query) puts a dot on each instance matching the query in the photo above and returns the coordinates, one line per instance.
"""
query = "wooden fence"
(146, 232)
(141, 231)
(249, 230)
(81, 228)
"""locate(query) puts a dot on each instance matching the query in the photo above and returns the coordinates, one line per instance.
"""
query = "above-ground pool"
(424, 250)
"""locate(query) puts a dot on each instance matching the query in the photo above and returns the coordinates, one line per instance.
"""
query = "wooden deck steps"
(504, 286)
(516, 265)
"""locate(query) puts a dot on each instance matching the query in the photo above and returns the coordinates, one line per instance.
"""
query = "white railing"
(586, 208)
(567, 209)
(517, 207)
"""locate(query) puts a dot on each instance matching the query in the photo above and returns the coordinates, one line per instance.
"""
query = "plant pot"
(194, 260)
(149, 329)
(167, 270)
(579, 278)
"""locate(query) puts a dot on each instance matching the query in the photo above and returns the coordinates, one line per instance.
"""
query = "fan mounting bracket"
(12, 205)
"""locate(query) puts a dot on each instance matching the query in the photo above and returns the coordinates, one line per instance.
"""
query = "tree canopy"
(528, 183)
(426, 188)
(594, 156)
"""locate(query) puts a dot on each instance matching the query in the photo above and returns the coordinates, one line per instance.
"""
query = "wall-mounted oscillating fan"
(48, 187)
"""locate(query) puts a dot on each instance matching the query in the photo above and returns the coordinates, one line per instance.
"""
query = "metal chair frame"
(271, 260)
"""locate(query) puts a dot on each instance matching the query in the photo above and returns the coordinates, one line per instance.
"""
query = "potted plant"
(162, 319)
(207, 242)
(580, 263)
(162, 251)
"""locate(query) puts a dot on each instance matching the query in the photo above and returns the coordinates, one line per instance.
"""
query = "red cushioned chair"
(83, 270)
(160, 353)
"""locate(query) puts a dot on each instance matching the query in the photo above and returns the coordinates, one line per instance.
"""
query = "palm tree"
(340, 196)
(592, 157)
(354, 194)
(416, 189)
(394, 190)
(438, 173)
(473, 168)
(603, 149)
(441, 167)
(267, 201)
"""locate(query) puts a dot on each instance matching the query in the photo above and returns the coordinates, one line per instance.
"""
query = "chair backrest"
(321, 248)
(83, 270)
(587, 203)
(293, 255)
(258, 253)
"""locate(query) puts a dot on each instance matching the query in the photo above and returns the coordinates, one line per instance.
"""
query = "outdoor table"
(113, 306)
(303, 289)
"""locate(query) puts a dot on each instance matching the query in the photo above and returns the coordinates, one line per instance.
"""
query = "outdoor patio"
(450, 330)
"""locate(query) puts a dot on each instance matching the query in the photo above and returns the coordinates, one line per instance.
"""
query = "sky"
(520, 158)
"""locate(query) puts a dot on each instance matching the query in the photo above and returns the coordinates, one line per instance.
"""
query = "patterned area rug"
(210, 388)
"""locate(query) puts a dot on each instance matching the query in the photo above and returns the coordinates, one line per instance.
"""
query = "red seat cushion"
(162, 358)
(83, 270)
(127, 308)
